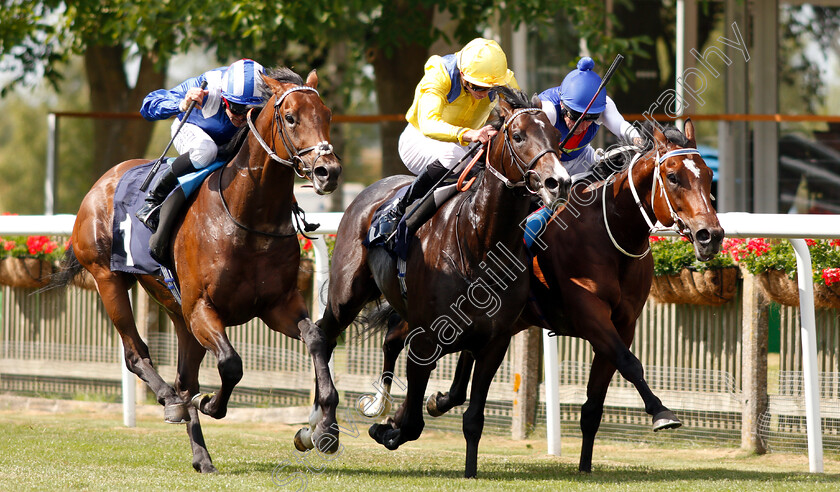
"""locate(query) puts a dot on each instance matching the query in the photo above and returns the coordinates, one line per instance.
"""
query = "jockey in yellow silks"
(451, 106)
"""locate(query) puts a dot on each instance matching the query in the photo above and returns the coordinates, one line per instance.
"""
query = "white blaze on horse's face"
(558, 195)
(691, 166)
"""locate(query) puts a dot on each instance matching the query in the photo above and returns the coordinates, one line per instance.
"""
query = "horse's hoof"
(431, 405)
(204, 468)
(327, 443)
(366, 406)
(176, 413)
(201, 399)
(391, 439)
(300, 445)
(665, 420)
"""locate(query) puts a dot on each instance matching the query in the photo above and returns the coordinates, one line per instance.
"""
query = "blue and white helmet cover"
(242, 84)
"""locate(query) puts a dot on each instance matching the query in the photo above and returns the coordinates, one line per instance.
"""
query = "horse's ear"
(689, 133)
(504, 107)
(658, 136)
(312, 79)
(270, 82)
(536, 101)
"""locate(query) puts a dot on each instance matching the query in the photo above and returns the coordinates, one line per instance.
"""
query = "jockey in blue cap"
(220, 110)
(565, 104)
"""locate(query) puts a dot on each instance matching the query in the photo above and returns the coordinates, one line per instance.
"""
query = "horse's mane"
(283, 75)
(517, 99)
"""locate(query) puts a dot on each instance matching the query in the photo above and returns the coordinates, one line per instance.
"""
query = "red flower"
(9, 245)
(831, 275)
(810, 242)
(656, 239)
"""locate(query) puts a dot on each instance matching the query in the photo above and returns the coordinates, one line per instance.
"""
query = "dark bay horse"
(236, 254)
(592, 275)
(455, 299)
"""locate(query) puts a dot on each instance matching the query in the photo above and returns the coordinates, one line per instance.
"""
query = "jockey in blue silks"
(565, 104)
(220, 110)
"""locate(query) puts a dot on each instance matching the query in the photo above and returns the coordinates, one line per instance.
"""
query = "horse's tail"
(67, 271)
(381, 318)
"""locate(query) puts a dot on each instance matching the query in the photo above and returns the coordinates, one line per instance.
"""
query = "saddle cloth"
(130, 244)
(402, 240)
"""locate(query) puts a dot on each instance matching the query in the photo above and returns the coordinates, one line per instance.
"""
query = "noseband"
(296, 161)
(525, 171)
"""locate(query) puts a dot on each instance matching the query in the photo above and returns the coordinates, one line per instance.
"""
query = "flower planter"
(25, 272)
(709, 288)
(782, 289)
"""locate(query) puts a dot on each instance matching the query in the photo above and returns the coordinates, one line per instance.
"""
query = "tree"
(38, 36)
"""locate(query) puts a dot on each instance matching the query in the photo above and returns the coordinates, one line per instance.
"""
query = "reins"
(678, 227)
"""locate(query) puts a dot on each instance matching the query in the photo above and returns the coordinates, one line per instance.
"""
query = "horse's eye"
(290, 119)
(517, 137)
(672, 177)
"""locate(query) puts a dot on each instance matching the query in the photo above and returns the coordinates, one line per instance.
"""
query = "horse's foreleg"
(190, 355)
(292, 320)
(113, 289)
(615, 348)
(593, 409)
(485, 368)
(323, 429)
(439, 403)
(209, 330)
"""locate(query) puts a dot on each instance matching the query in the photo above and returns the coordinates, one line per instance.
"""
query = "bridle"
(679, 225)
(525, 171)
(295, 160)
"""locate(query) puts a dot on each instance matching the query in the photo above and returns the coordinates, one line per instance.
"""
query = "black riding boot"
(150, 211)
(161, 239)
(424, 182)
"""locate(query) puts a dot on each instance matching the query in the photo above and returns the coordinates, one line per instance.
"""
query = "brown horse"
(453, 300)
(592, 273)
(237, 257)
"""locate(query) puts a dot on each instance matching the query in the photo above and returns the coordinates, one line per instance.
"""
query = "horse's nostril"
(551, 184)
(321, 172)
(703, 236)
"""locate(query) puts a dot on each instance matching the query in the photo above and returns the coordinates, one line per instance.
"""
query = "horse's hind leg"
(439, 403)
(379, 404)
(408, 422)
(113, 289)
(485, 368)
(190, 355)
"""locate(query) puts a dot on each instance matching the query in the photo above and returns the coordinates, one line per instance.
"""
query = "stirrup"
(389, 222)
(149, 215)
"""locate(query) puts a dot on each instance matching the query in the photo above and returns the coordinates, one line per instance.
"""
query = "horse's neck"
(625, 201)
(262, 189)
(498, 213)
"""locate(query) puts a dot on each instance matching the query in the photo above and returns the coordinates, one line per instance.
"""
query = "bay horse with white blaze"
(236, 255)
(450, 264)
(592, 272)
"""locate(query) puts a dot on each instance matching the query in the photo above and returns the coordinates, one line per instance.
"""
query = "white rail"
(793, 227)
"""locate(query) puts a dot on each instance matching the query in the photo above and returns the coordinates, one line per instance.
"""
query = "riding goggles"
(237, 109)
(574, 115)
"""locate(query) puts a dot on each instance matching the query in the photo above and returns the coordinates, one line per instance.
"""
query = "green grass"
(91, 450)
